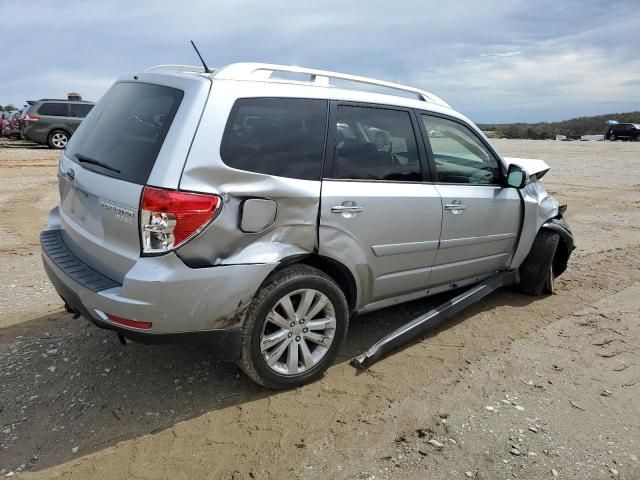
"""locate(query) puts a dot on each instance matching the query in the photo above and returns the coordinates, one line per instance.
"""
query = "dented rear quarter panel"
(293, 232)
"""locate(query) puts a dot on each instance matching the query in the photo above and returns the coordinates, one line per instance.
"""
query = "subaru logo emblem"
(71, 174)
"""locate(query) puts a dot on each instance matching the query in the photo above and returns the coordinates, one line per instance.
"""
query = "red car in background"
(6, 123)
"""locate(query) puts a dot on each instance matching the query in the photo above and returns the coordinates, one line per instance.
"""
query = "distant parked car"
(624, 131)
(6, 119)
(16, 122)
(52, 122)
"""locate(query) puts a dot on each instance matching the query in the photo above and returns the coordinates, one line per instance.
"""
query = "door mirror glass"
(516, 177)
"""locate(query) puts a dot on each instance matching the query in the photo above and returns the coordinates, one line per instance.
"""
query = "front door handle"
(346, 209)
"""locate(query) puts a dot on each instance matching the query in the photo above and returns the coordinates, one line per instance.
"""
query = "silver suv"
(257, 207)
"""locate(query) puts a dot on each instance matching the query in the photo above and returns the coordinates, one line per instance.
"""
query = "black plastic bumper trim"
(53, 246)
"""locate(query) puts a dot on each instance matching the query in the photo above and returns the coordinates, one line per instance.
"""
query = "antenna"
(206, 69)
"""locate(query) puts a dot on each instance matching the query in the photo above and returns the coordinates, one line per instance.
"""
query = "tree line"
(573, 128)
(7, 108)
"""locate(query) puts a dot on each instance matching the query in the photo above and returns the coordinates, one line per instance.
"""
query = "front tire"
(293, 328)
(612, 137)
(536, 272)
(58, 139)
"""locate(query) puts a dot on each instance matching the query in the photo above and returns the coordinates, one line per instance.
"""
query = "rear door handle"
(346, 209)
(454, 206)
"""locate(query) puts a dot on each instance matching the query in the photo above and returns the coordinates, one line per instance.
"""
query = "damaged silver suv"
(257, 207)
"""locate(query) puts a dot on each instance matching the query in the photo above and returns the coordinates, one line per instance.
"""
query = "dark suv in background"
(52, 122)
(624, 131)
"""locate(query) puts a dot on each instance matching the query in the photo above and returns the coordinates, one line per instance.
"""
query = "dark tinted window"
(375, 144)
(55, 109)
(276, 136)
(459, 154)
(80, 110)
(127, 130)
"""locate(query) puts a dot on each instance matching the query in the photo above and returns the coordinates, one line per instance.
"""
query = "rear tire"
(283, 350)
(58, 139)
(536, 272)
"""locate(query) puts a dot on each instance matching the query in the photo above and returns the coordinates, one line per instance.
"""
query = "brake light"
(169, 218)
(32, 117)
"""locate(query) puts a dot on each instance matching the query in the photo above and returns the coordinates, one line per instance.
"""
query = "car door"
(629, 131)
(378, 215)
(481, 218)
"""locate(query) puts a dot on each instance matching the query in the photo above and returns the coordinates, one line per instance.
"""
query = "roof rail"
(265, 72)
(176, 68)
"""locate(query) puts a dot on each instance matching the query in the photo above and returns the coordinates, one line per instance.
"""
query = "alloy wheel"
(59, 140)
(298, 332)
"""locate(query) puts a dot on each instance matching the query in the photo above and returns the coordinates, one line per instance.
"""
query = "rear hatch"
(138, 134)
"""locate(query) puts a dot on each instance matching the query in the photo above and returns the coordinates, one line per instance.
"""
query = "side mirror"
(517, 177)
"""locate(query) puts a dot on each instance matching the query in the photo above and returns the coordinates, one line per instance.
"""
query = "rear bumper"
(184, 305)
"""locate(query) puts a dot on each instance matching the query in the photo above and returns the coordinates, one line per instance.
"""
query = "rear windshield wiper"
(84, 159)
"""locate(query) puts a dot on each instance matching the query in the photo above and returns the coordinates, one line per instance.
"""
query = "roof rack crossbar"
(266, 71)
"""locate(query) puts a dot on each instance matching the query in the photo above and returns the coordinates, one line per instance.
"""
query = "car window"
(375, 144)
(127, 130)
(54, 109)
(459, 155)
(276, 136)
(80, 110)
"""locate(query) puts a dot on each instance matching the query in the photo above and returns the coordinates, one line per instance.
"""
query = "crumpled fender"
(538, 208)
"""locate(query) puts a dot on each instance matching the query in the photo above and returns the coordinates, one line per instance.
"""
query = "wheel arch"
(336, 270)
(565, 246)
(59, 129)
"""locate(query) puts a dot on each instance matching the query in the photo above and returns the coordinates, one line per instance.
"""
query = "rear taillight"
(31, 117)
(169, 218)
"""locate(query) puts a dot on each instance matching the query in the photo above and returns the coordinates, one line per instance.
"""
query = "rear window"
(276, 136)
(125, 131)
(53, 109)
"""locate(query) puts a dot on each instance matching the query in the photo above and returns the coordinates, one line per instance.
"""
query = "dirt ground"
(514, 387)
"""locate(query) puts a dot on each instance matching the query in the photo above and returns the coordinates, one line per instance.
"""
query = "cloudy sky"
(496, 61)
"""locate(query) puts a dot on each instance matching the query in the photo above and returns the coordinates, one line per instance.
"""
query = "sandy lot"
(514, 387)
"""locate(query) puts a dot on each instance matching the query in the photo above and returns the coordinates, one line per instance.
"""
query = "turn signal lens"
(169, 218)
